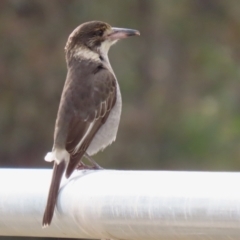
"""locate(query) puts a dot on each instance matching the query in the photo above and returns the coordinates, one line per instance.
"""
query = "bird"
(90, 105)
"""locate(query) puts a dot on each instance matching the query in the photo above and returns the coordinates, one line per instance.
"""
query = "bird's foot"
(83, 166)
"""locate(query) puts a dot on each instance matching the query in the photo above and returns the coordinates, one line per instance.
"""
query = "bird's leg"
(95, 165)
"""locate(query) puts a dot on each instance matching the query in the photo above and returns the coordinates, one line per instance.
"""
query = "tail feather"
(58, 171)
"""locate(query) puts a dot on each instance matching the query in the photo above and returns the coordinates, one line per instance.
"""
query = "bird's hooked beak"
(120, 33)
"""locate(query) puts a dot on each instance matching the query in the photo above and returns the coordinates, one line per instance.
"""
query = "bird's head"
(96, 36)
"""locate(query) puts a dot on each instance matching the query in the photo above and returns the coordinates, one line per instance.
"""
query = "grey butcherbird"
(90, 106)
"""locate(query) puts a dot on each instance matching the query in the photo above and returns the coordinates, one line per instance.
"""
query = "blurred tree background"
(180, 81)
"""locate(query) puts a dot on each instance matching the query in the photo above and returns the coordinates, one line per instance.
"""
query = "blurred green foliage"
(179, 81)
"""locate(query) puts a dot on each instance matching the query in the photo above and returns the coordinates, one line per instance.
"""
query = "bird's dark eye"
(99, 33)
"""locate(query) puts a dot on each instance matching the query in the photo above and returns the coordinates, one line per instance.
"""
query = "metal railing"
(123, 205)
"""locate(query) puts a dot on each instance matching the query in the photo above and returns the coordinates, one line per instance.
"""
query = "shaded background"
(179, 81)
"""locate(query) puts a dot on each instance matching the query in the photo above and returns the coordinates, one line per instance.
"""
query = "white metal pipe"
(123, 205)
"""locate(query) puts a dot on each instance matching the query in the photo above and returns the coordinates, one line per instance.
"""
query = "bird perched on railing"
(90, 106)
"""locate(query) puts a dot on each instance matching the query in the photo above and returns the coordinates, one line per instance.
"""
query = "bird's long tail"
(58, 171)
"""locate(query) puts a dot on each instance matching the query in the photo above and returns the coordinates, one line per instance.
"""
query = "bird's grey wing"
(82, 130)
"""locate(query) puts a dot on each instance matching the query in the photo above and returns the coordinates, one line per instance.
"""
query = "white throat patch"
(105, 46)
(103, 49)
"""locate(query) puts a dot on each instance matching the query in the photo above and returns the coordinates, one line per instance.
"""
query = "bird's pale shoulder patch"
(86, 54)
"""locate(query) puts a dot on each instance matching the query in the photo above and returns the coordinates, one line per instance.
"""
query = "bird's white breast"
(108, 131)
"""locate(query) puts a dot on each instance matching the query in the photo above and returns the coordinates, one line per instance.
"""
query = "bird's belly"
(108, 131)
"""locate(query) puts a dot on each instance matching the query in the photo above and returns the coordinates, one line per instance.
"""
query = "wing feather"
(82, 131)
